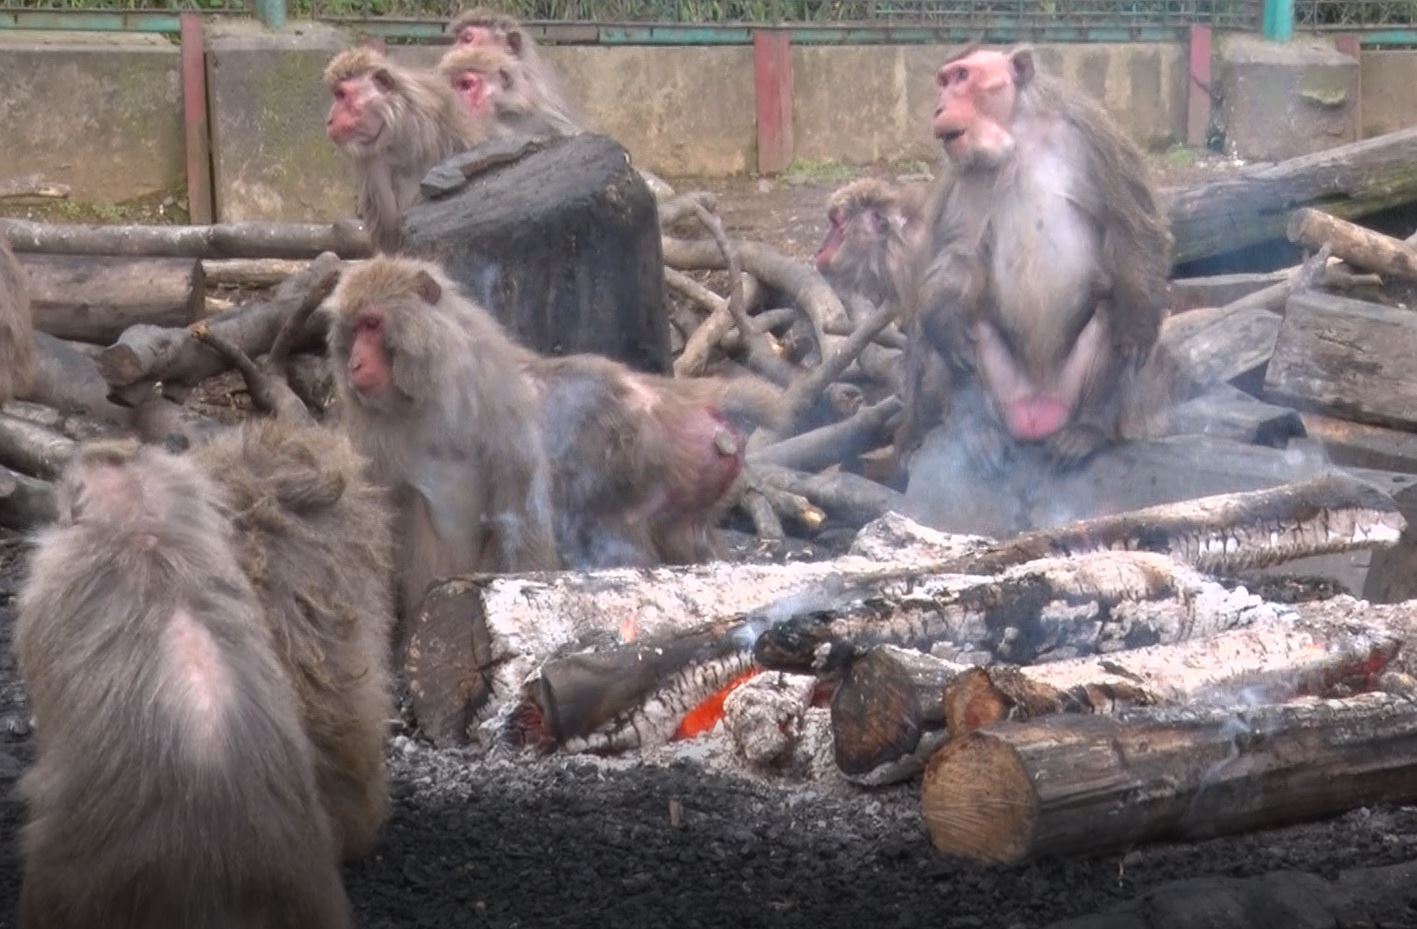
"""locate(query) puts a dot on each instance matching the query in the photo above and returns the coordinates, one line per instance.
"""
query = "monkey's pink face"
(859, 234)
(975, 108)
(354, 119)
(476, 92)
(368, 368)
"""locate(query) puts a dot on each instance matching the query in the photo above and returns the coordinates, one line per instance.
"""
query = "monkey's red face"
(369, 369)
(978, 95)
(354, 120)
(862, 234)
(476, 91)
(836, 234)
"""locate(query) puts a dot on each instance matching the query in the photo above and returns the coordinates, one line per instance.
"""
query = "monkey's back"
(174, 785)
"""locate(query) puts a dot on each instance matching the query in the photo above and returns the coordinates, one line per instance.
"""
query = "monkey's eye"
(834, 216)
(340, 92)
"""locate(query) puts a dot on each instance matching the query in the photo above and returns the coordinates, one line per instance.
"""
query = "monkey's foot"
(1073, 445)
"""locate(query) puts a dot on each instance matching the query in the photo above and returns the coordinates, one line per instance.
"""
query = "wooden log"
(26, 503)
(250, 272)
(1228, 412)
(69, 381)
(562, 245)
(75, 426)
(1361, 446)
(887, 701)
(93, 299)
(1218, 216)
(32, 448)
(158, 353)
(846, 496)
(1360, 247)
(224, 240)
(1346, 358)
(764, 716)
(19, 188)
(1092, 784)
(832, 444)
(1212, 346)
(1194, 293)
(1271, 661)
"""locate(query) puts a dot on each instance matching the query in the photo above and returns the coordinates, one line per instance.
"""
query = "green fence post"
(272, 12)
(1279, 20)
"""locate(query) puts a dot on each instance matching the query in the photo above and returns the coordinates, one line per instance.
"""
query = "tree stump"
(561, 245)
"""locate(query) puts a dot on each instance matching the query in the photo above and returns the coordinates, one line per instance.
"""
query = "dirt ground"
(516, 842)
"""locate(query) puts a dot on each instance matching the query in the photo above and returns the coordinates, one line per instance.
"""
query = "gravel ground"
(515, 842)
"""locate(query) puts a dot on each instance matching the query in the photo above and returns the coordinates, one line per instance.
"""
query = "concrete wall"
(1389, 91)
(102, 114)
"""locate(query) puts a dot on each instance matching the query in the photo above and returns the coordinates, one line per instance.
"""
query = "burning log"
(93, 299)
(1347, 358)
(764, 716)
(224, 240)
(1351, 181)
(173, 355)
(1358, 246)
(1092, 784)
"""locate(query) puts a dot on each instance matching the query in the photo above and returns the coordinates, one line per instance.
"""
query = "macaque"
(503, 460)
(493, 86)
(394, 124)
(481, 27)
(432, 393)
(1042, 278)
(16, 328)
(175, 783)
(313, 534)
(872, 229)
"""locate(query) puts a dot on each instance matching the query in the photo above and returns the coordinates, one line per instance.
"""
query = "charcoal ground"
(581, 842)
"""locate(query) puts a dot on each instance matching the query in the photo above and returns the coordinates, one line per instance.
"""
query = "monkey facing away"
(481, 26)
(394, 124)
(313, 534)
(1042, 276)
(17, 360)
(493, 86)
(503, 460)
(175, 783)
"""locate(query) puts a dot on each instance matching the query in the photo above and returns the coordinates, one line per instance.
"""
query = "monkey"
(432, 394)
(1041, 280)
(313, 535)
(17, 352)
(493, 86)
(175, 784)
(394, 124)
(872, 229)
(482, 26)
(505, 460)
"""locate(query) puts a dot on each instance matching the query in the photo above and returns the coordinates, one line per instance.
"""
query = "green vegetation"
(819, 172)
(1182, 156)
(168, 208)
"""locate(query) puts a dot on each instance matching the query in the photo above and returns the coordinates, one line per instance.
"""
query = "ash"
(515, 841)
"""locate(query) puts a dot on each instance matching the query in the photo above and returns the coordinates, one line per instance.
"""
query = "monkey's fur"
(873, 227)
(625, 466)
(976, 219)
(175, 783)
(458, 446)
(543, 84)
(514, 108)
(424, 123)
(313, 536)
(17, 360)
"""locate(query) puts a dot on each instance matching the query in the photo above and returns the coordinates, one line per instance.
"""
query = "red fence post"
(772, 82)
(194, 120)
(1198, 99)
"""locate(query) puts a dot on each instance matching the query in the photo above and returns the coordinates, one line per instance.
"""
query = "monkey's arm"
(520, 505)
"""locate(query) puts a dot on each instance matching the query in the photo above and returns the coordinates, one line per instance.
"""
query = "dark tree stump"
(562, 245)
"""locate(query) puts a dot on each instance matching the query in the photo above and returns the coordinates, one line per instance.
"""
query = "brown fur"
(875, 225)
(175, 783)
(17, 360)
(514, 110)
(313, 536)
(424, 124)
(544, 86)
(971, 212)
(626, 466)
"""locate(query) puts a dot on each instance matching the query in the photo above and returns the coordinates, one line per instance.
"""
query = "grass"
(165, 208)
(821, 172)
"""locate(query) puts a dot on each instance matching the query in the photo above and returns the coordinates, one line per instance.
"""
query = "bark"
(1228, 412)
(156, 353)
(226, 240)
(888, 699)
(69, 381)
(34, 449)
(26, 503)
(250, 272)
(93, 299)
(832, 444)
(848, 497)
(33, 185)
(1361, 247)
(1213, 346)
(1093, 784)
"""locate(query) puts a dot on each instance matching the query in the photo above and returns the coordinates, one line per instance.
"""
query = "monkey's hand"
(1074, 444)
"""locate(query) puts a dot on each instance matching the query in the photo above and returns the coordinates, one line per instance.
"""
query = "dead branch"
(225, 240)
(693, 360)
(32, 448)
(250, 272)
(676, 208)
(846, 496)
(760, 511)
(25, 502)
(1363, 248)
(266, 384)
(16, 188)
(832, 444)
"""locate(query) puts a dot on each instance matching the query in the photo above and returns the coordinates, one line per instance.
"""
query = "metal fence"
(1354, 15)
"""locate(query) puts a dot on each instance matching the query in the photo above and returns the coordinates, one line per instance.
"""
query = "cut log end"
(443, 649)
(973, 702)
(978, 801)
(875, 715)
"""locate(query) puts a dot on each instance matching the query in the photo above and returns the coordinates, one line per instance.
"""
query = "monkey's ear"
(1024, 69)
(383, 79)
(514, 42)
(428, 290)
(505, 75)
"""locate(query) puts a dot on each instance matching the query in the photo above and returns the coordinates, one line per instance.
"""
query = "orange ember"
(706, 715)
(629, 630)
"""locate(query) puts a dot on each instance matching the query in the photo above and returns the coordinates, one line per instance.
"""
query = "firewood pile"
(1080, 687)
